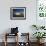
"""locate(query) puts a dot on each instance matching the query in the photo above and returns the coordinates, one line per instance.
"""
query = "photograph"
(17, 13)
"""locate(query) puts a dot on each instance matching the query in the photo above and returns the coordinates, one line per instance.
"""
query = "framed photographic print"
(18, 13)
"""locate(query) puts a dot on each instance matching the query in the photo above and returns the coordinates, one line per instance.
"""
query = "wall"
(24, 25)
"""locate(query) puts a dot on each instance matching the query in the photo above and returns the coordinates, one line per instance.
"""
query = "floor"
(13, 44)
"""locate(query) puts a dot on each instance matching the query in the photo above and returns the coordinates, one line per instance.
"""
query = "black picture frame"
(18, 13)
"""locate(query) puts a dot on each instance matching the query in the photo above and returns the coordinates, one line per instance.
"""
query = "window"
(41, 8)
